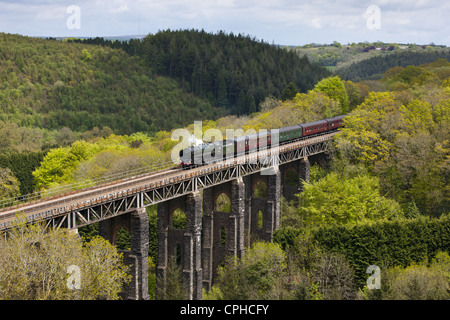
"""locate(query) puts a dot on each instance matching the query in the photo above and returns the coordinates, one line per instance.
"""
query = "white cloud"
(283, 21)
(51, 13)
(315, 23)
(121, 9)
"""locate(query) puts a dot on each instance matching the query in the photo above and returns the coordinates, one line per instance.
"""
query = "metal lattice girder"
(100, 203)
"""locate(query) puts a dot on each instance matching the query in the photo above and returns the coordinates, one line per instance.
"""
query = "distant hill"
(336, 56)
(111, 38)
(364, 60)
(229, 70)
(53, 84)
(232, 71)
(375, 67)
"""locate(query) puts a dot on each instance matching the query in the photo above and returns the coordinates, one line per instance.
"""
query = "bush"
(39, 264)
(384, 243)
(335, 199)
(415, 282)
(255, 276)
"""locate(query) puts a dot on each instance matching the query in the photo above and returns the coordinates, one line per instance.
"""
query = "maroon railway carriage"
(252, 142)
(336, 122)
(314, 127)
(247, 144)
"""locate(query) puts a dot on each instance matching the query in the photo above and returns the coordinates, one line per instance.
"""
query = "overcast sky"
(287, 22)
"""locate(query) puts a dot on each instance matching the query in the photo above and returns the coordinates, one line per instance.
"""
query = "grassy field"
(336, 56)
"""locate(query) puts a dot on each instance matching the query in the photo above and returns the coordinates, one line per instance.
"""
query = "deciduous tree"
(39, 264)
(9, 185)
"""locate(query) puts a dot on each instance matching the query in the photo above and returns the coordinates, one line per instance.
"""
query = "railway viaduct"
(210, 235)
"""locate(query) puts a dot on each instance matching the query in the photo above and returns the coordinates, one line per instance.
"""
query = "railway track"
(80, 198)
(75, 197)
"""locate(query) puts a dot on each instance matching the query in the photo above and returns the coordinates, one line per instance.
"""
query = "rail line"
(105, 192)
(80, 195)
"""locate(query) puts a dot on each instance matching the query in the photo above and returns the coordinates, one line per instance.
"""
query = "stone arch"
(290, 180)
(122, 238)
(223, 233)
(222, 203)
(260, 220)
(260, 188)
(178, 255)
(175, 230)
(263, 209)
(221, 230)
(178, 219)
(182, 244)
(290, 177)
(258, 209)
(111, 228)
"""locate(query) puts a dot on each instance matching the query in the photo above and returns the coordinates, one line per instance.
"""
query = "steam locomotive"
(221, 150)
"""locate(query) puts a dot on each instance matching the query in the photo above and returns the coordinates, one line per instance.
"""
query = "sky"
(284, 22)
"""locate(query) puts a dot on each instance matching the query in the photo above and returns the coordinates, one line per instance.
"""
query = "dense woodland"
(232, 71)
(49, 84)
(376, 66)
(236, 71)
(382, 200)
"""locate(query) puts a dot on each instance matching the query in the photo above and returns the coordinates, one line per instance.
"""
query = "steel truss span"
(103, 202)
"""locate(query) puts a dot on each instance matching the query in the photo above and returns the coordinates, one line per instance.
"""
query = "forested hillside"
(130, 86)
(229, 70)
(232, 71)
(54, 92)
(53, 84)
(376, 66)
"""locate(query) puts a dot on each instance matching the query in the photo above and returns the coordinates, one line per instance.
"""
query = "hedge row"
(22, 166)
(385, 244)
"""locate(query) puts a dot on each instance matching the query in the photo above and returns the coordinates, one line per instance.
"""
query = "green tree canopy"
(405, 143)
(335, 89)
(289, 92)
(336, 199)
(40, 264)
(253, 276)
(9, 185)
